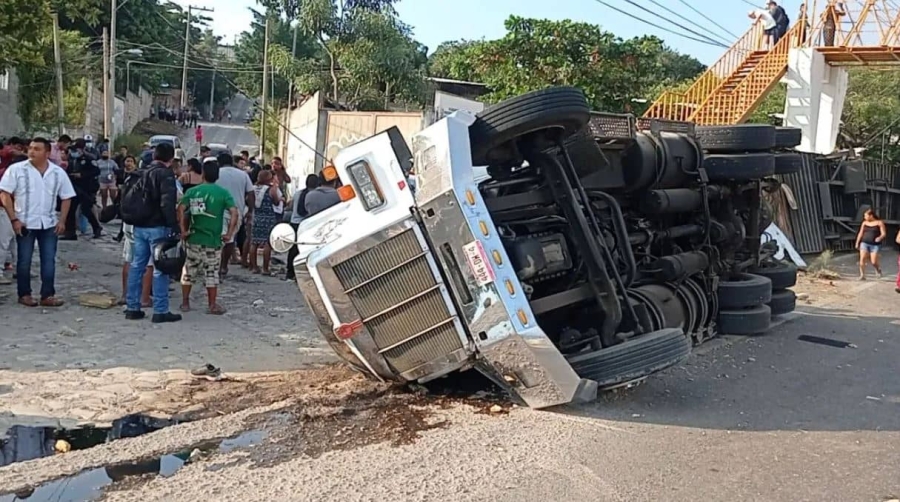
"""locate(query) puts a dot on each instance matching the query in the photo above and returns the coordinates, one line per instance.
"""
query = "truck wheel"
(787, 137)
(739, 167)
(782, 274)
(750, 321)
(632, 359)
(783, 302)
(743, 291)
(736, 138)
(563, 108)
(788, 163)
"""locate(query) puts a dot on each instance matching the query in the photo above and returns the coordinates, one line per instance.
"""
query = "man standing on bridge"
(781, 21)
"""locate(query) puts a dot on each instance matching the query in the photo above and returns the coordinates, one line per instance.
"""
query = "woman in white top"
(768, 22)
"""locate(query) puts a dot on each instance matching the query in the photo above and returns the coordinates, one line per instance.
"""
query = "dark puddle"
(89, 485)
(22, 442)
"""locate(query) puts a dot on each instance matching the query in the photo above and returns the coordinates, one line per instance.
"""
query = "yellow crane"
(850, 33)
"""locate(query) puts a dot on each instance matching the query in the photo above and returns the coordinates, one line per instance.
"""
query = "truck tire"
(783, 302)
(788, 163)
(563, 108)
(787, 137)
(739, 167)
(750, 321)
(744, 291)
(632, 359)
(782, 274)
(736, 138)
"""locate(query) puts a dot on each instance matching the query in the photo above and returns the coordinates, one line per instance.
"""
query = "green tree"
(333, 24)
(615, 74)
(249, 55)
(24, 22)
(37, 80)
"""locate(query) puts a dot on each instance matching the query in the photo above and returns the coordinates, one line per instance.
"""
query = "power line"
(704, 16)
(693, 22)
(648, 11)
(650, 23)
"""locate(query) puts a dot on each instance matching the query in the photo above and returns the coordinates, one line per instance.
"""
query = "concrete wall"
(815, 99)
(127, 111)
(306, 123)
(10, 122)
(345, 128)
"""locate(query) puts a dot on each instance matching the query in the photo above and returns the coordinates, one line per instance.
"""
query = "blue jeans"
(144, 240)
(46, 240)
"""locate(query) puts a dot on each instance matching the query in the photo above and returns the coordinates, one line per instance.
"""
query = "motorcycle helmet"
(169, 257)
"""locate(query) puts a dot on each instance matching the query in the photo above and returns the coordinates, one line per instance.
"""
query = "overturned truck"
(554, 249)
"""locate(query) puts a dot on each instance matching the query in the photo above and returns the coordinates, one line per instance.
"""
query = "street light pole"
(265, 84)
(57, 62)
(112, 67)
(187, 45)
(107, 120)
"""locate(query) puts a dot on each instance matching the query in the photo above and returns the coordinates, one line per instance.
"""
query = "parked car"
(217, 148)
(172, 140)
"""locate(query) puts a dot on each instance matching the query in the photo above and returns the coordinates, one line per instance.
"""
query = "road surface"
(234, 134)
(771, 418)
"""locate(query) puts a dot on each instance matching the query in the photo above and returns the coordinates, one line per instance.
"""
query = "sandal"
(51, 301)
(184, 308)
(121, 301)
(216, 310)
(28, 301)
(255, 271)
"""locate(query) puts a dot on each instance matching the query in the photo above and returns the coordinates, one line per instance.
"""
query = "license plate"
(478, 263)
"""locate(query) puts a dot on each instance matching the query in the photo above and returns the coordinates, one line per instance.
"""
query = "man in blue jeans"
(150, 206)
(29, 191)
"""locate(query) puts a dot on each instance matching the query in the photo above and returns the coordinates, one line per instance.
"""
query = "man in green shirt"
(201, 214)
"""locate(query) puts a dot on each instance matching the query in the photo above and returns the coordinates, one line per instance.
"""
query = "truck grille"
(393, 288)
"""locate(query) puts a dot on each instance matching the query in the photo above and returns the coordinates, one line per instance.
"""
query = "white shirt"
(767, 20)
(35, 195)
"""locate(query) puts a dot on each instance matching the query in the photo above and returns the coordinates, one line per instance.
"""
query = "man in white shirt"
(770, 27)
(29, 191)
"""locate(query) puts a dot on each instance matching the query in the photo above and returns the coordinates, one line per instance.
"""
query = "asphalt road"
(235, 134)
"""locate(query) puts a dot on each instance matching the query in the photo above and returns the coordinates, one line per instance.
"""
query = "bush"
(132, 141)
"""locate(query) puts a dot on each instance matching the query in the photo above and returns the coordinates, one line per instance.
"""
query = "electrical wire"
(650, 23)
(721, 38)
(648, 11)
(704, 16)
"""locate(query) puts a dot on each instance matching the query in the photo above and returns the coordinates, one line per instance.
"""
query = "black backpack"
(136, 206)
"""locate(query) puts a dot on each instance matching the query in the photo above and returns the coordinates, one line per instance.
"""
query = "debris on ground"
(97, 300)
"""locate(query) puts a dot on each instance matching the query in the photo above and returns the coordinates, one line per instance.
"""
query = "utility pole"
(265, 85)
(212, 88)
(294, 56)
(57, 61)
(187, 45)
(107, 112)
(111, 104)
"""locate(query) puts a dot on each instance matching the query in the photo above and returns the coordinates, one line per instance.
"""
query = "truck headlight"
(365, 183)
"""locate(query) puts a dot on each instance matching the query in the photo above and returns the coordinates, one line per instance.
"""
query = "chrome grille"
(399, 299)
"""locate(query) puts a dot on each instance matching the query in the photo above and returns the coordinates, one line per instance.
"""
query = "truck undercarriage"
(588, 254)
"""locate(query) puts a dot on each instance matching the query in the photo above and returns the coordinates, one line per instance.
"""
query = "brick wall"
(10, 123)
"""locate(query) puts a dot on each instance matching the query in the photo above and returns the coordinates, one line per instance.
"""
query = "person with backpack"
(149, 203)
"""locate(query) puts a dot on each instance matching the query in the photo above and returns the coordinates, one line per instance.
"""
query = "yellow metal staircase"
(730, 89)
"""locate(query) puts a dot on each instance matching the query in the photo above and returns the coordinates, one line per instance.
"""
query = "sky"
(436, 21)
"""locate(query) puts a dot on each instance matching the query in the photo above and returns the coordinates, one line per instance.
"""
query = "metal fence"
(831, 196)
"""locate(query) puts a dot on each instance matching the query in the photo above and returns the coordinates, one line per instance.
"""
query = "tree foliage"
(616, 74)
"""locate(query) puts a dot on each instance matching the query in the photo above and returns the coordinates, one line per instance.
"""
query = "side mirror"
(282, 238)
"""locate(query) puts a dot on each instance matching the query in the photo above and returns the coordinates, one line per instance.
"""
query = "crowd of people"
(185, 221)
